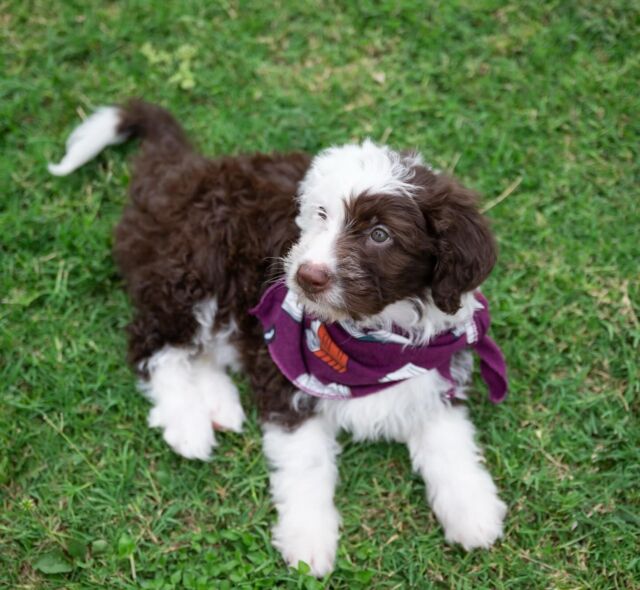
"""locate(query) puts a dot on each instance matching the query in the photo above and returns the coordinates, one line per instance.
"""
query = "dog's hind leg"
(191, 392)
(178, 406)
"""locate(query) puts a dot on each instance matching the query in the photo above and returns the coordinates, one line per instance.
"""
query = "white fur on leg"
(88, 139)
(219, 394)
(303, 480)
(461, 492)
(189, 397)
(178, 406)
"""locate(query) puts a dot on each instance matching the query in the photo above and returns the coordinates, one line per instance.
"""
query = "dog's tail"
(113, 125)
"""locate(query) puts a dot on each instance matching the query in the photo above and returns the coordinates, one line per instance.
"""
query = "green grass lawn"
(534, 100)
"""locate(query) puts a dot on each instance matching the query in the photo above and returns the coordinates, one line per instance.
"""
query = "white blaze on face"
(317, 246)
(317, 242)
(335, 176)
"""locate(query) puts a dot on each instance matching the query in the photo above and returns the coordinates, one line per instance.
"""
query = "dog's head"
(378, 227)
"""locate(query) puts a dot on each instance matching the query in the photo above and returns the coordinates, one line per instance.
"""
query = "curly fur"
(199, 242)
(197, 228)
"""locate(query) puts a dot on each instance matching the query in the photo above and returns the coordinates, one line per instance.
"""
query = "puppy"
(343, 285)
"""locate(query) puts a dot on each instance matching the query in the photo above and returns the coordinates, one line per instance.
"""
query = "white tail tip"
(88, 139)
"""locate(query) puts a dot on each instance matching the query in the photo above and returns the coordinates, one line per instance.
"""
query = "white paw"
(188, 434)
(225, 411)
(314, 544)
(471, 516)
(220, 397)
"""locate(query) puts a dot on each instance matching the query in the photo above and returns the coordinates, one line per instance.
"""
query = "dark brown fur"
(439, 240)
(198, 228)
(464, 251)
(374, 275)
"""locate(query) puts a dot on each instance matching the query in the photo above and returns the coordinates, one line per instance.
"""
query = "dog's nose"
(313, 277)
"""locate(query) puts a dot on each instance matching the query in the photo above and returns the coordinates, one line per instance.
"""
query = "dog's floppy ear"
(464, 247)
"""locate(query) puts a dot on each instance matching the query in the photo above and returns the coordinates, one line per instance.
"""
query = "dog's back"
(195, 228)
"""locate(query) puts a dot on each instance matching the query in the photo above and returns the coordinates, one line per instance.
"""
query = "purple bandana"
(340, 360)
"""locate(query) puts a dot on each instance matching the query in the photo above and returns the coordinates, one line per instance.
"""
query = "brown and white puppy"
(359, 232)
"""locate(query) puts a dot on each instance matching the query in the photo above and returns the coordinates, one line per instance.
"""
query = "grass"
(540, 98)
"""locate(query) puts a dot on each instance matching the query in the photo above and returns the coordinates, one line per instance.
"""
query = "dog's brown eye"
(379, 235)
(322, 213)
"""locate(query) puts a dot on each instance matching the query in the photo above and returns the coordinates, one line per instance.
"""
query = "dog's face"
(378, 227)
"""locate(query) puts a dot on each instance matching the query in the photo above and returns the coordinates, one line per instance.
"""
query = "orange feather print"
(321, 344)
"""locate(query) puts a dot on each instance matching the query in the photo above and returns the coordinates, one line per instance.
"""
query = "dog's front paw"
(188, 435)
(481, 528)
(314, 544)
(469, 509)
(471, 516)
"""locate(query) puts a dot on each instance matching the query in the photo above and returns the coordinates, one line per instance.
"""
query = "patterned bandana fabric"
(341, 361)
